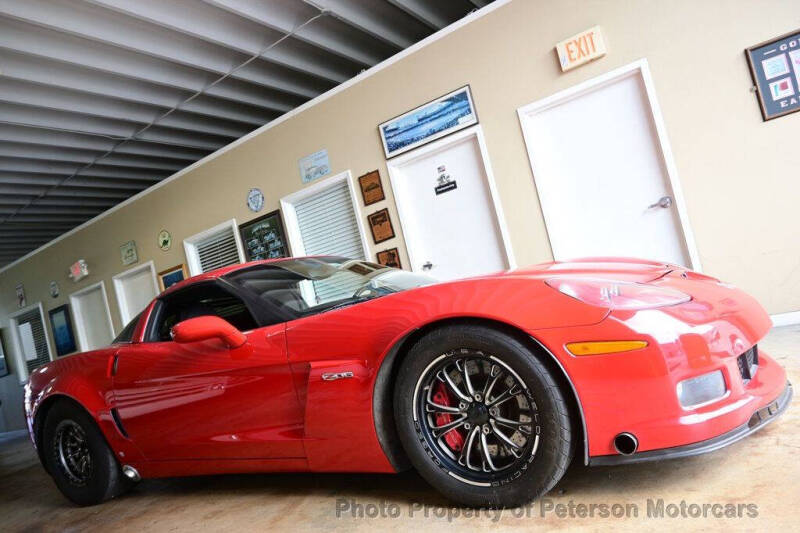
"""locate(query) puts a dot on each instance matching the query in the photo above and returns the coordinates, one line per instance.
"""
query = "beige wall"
(739, 175)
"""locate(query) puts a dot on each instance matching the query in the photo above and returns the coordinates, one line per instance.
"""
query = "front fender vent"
(118, 423)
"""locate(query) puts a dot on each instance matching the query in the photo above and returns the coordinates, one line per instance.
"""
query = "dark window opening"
(126, 335)
(207, 299)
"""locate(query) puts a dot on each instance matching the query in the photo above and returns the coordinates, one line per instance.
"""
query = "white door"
(135, 289)
(448, 210)
(602, 171)
(92, 317)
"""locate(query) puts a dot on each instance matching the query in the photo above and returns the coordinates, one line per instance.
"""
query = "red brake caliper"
(453, 438)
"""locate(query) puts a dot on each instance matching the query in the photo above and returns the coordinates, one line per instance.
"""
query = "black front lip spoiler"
(760, 418)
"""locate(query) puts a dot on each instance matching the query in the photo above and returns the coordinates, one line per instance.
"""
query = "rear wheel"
(481, 418)
(78, 458)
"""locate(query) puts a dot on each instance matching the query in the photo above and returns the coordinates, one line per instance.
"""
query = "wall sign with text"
(586, 46)
(775, 68)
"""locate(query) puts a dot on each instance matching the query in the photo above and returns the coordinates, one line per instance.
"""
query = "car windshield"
(308, 286)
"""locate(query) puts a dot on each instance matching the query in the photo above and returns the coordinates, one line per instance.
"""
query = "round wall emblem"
(255, 200)
(164, 240)
(54, 289)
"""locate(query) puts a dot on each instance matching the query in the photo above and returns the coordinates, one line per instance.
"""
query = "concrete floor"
(762, 471)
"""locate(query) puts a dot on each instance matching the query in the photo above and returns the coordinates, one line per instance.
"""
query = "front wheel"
(481, 418)
(77, 456)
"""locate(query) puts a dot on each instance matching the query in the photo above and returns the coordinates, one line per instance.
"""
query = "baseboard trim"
(786, 319)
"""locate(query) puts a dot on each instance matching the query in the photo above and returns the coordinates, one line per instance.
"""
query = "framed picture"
(21, 296)
(775, 69)
(447, 114)
(371, 188)
(128, 253)
(4, 370)
(63, 334)
(169, 277)
(263, 237)
(389, 258)
(314, 166)
(381, 226)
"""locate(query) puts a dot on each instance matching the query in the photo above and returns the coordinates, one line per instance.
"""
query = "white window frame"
(190, 245)
(290, 213)
(124, 314)
(19, 358)
(80, 331)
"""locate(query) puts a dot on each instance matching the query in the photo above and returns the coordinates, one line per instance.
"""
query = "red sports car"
(487, 386)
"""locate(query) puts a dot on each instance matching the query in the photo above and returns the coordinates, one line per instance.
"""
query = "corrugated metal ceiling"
(100, 99)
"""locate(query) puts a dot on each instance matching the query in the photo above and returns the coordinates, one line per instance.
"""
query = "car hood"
(613, 268)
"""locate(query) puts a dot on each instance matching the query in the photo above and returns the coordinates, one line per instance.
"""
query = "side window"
(296, 294)
(201, 300)
(126, 335)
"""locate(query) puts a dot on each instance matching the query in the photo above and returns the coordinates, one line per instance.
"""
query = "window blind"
(34, 319)
(328, 224)
(217, 250)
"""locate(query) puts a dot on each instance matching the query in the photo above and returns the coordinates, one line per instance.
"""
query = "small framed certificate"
(371, 188)
(389, 258)
(381, 226)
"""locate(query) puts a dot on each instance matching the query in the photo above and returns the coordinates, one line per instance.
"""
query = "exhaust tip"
(626, 443)
(131, 473)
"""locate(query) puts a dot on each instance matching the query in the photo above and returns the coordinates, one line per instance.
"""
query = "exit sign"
(581, 48)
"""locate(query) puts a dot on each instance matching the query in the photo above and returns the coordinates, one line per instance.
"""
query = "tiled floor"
(760, 474)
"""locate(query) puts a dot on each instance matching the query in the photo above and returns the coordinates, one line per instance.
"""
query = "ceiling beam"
(49, 180)
(49, 97)
(211, 27)
(377, 19)
(31, 39)
(8, 230)
(22, 164)
(326, 33)
(47, 219)
(41, 141)
(67, 190)
(423, 11)
(44, 71)
(16, 199)
(72, 155)
(27, 115)
(30, 242)
(35, 209)
(106, 27)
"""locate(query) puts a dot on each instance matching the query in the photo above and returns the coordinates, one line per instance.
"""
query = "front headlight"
(701, 390)
(618, 294)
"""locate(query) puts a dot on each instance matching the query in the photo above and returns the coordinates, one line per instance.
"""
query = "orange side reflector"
(601, 347)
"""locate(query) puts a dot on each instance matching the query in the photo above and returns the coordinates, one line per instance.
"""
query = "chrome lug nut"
(467, 425)
(462, 406)
(486, 429)
(478, 396)
(494, 411)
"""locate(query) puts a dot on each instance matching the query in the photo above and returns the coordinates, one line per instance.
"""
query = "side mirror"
(204, 328)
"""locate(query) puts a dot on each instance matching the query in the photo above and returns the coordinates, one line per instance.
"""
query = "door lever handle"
(427, 266)
(664, 202)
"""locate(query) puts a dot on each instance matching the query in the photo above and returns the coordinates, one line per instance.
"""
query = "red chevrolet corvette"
(487, 386)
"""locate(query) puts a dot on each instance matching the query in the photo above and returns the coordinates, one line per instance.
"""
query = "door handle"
(427, 266)
(664, 202)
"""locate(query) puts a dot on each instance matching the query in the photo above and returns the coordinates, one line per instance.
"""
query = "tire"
(520, 468)
(100, 478)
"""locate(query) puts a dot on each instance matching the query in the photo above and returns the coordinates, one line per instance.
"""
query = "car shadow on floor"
(407, 488)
